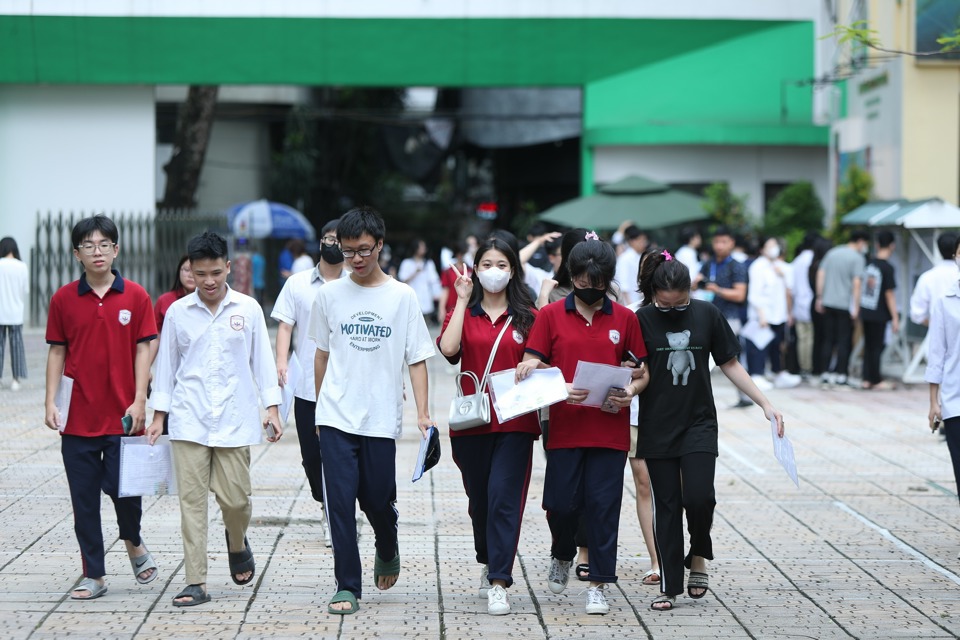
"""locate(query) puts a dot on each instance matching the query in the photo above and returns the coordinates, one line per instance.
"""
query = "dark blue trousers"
(757, 358)
(951, 428)
(358, 469)
(93, 465)
(496, 474)
(587, 481)
(304, 412)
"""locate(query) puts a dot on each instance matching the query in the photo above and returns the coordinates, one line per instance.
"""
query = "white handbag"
(467, 412)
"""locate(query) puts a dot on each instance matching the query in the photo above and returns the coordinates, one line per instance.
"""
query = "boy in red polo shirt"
(99, 330)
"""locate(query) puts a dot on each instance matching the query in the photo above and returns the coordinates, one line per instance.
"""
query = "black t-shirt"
(878, 278)
(677, 414)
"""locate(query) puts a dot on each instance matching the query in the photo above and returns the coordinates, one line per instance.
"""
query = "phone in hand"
(127, 423)
(937, 424)
(608, 405)
(271, 431)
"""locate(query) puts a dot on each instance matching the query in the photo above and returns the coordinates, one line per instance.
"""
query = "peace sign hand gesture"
(463, 283)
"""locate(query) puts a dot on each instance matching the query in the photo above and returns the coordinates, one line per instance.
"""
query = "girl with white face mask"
(495, 459)
(769, 305)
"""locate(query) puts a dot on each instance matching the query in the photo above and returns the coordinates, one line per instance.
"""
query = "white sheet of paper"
(294, 376)
(597, 379)
(62, 400)
(759, 336)
(422, 455)
(541, 388)
(146, 470)
(783, 451)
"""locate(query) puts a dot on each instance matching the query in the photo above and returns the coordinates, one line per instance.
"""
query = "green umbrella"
(651, 205)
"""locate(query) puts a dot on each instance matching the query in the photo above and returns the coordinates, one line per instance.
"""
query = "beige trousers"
(200, 470)
(805, 346)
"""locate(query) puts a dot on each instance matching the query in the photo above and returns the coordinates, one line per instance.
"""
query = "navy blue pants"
(678, 485)
(358, 469)
(587, 481)
(304, 412)
(951, 428)
(757, 358)
(496, 474)
(93, 465)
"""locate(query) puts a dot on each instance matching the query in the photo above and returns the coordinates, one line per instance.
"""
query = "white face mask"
(493, 279)
(773, 252)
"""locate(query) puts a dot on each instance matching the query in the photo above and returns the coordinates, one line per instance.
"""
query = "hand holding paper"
(541, 388)
(597, 379)
(783, 451)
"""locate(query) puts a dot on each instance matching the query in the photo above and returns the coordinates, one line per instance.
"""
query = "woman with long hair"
(587, 447)
(182, 285)
(14, 285)
(678, 435)
(495, 459)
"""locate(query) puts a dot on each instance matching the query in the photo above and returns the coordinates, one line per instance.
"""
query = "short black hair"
(7, 246)
(947, 244)
(594, 259)
(359, 221)
(538, 228)
(207, 246)
(633, 232)
(87, 226)
(858, 235)
(724, 231)
(330, 226)
(687, 234)
(885, 239)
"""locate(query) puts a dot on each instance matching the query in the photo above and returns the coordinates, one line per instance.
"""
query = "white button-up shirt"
(767, 292)
(211, 370)
(943, 350)
(293, 307)
(931, 285)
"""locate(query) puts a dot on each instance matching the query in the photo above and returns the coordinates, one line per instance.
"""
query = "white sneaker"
(497, 604)
(787, 380)
(762, 383)
(559, 575)
(596, 602)
(485, 582)
(15, 386)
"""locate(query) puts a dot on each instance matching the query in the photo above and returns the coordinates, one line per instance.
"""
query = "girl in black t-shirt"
(678, 428)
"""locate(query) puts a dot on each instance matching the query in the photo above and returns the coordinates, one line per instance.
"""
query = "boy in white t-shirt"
(366, 327)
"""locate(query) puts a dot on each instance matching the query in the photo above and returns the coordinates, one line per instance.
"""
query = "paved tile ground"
(865, 548)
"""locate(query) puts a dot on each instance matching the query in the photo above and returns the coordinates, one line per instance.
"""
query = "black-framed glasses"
(89, 248)
(679, 307)
(363, 253)
(329, 240)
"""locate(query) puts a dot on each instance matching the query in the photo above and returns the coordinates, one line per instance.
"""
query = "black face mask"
(331, 254)
(674, 314)
(590, 296)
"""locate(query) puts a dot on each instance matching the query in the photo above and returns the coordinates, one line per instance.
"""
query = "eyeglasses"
(363, 253)
(679, 307)
(329, 240)
(88, 248)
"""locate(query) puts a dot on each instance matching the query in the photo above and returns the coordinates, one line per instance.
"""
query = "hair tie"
(666, 256)
(591, 235)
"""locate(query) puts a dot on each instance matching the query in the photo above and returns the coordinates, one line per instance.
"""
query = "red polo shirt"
(562, 337)
(476, 341)
(163, 303)
(101, 337)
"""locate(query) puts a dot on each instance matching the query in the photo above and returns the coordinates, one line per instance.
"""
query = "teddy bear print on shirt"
(680, 362)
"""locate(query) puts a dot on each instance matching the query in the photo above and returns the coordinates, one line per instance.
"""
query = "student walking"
(366, 327)
(587, 447)
(490, 323)
(13, 297)
(678, 427)
(878, 306)
(838, 299)
(99, 330)
(291, 310)
(213, 366)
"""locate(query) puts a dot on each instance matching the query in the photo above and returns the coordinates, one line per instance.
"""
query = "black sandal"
(698, 580)
(194, 591)
(583, 572)
(241, 561)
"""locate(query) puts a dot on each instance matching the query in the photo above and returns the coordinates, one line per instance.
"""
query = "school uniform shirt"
(101, 336)
(932, 285)
(769, 284)
(214, 370)
(293, 307)
(943, 355)
(476, 342)
(679, 416)
(14, 285)
(878, 278)
(562, 337)
(425, 283)
(163, 303)
(370, 333)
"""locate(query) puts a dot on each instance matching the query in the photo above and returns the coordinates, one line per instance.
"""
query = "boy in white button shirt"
(214, 358)
(366, 327)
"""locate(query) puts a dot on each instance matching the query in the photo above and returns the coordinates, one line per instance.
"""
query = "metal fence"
(151, 244)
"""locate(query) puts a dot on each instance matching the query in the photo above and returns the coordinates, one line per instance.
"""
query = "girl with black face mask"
(678, 431)
(587, 447)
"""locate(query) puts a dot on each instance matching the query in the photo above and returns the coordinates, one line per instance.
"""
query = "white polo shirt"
(943, 351)
(293, 307)
(932, 285)
(212, 368)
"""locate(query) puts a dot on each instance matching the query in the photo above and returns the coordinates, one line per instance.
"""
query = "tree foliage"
(854, 190)
(860, 33)
(793, 212)
(726, 208)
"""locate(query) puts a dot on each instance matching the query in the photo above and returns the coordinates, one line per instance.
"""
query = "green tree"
(726, 208)
(855, 189)
(860, 33)
(792, 213)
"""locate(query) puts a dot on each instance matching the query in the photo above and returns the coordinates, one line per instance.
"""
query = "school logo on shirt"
(365, 331)
(236, 323)
(125, 317)
(517, 337)
(614, 336)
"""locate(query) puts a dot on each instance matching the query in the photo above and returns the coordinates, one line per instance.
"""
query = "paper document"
(62, 400)
(759, 336)
(541, 388)
(146, 470)
(783, 450)
(294, 376)
(597, 379)
(418, 469)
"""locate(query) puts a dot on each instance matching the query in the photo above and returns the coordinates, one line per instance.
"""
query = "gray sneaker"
(484, 581)
(559, 574)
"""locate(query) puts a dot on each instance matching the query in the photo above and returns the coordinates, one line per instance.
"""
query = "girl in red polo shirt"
(587, 448)
(494, 459)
